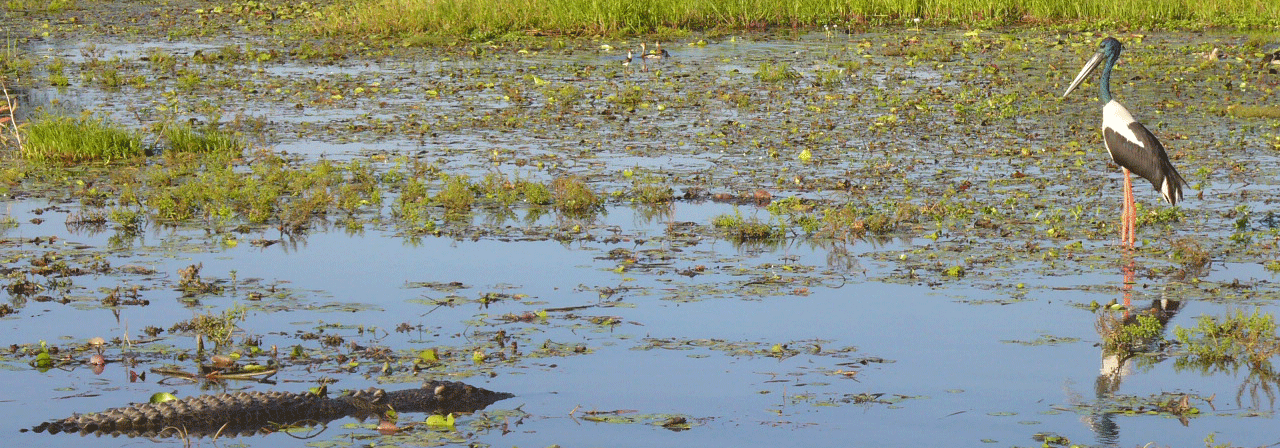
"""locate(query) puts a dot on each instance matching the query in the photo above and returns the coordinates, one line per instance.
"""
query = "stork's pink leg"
(1128, 228)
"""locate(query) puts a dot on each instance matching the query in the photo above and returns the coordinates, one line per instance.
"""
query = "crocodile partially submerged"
(248, 413)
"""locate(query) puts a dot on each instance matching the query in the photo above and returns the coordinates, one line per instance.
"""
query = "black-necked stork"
(1130, 144)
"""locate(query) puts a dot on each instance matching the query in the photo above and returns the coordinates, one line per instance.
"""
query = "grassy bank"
(487, 19)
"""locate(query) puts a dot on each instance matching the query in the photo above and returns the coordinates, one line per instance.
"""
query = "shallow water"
(753, 343)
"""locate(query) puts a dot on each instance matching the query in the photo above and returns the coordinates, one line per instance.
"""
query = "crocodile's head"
(439, 397)
(464, 394)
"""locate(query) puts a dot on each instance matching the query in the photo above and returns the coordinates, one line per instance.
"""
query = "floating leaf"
(441, 421)
(429, 355)
(161, 397)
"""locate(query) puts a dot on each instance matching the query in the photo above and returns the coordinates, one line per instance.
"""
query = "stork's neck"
(1104, 87)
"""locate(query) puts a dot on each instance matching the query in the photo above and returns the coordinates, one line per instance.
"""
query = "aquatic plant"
(574, 197)
(852, 222)
(216, 327)
(651, 190)
(69, 140)
(456, 196)
(1127, 337)
(184, 138)
(1235, 338)
(779, 72)
(742, 229)
(1194, 258)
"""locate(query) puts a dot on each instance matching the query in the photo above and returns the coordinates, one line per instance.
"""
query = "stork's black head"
(1110, 47)
(1108, 50)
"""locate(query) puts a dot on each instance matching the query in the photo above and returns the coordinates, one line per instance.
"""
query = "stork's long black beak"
(1088, 68)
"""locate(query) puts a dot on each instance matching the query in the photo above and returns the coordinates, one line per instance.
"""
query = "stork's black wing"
(1146, 158)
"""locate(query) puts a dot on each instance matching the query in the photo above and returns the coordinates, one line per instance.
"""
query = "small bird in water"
(1130, 144)
(1271, 60)
(658, 54)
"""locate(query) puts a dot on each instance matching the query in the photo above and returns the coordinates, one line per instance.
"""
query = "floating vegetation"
(1178, 405)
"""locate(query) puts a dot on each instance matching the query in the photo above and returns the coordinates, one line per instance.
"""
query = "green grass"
(775, 73)
(481, 20)
(456, 196)
(742, 229)
(62, 139)
(1255, 111)
(185, 139)
(39, 5)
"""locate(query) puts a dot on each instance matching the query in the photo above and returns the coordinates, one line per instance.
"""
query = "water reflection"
(1125, 337)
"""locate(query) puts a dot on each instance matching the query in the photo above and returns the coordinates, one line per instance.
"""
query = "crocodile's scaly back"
(249, 413)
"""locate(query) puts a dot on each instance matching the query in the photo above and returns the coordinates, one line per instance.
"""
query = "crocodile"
(249, 413)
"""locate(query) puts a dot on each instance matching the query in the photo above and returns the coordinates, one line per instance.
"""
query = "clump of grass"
(652, 190)
(69, 140)
(456, 197)
(218, 328)
(769, 72)
(850, 222)
(40, 5)
(630, 97)
(564, 98)
(127, 219)
(1127, 338)
(1191, 254)
(160, 60)
(1236, 338)
(411, 207)
(574, 197)
(1254, 111)
(536, 193)
(797, 212)
(506, 192)
(57, 76)
(745, 229)
(186, 139)
(191, 284)
(831, 78)
(14, 62)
